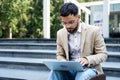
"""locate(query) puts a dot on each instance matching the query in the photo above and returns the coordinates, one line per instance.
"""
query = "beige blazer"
(92, 46)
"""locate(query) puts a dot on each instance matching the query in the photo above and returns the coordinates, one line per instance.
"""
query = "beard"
(72, 30)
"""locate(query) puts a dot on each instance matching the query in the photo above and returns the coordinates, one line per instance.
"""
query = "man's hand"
(82, 61)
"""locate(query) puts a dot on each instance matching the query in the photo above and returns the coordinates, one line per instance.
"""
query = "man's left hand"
(83, 61)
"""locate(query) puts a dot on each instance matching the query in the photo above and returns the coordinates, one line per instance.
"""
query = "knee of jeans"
(81, 77)
(95, 71)
(86, 74)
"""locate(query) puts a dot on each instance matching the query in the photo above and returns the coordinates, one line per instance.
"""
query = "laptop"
(64, 65)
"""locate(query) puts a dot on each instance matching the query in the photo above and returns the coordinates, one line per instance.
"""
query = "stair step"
(27, 40)
(52, 40)
(112, 40)
(111, 65)
(23, 63)
(28, 46)
(18, 74)
(50, 54)
(28, 53)
(50, 46)
(113, 47)
(112, 78)
(24, 60)
(111, 68)
(4, 78)
(113, 57)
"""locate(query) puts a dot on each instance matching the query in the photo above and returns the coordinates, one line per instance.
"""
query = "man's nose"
(67, 25)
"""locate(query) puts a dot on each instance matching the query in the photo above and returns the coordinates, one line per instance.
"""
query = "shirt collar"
(79, 27)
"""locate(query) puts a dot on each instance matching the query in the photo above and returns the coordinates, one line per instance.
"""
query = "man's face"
(71, 23)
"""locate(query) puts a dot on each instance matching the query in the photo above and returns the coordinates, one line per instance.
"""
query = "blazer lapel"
(65, 40)
(83, 34)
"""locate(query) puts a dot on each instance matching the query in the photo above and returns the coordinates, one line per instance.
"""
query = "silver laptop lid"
(64, 65)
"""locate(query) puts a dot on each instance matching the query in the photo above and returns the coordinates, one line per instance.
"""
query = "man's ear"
(79, 16)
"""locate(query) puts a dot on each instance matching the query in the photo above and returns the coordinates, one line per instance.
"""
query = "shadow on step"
(2, 78)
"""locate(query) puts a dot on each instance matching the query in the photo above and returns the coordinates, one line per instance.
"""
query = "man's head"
(69, 17)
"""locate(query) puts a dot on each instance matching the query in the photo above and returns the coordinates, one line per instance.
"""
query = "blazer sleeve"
(100, 53)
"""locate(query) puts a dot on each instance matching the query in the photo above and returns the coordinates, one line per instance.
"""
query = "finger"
(82, 62)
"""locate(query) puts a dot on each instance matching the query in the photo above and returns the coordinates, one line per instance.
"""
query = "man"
(78, 42)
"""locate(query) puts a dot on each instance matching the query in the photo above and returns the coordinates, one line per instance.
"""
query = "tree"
(55, 16)
(35, 26)
(12, 13)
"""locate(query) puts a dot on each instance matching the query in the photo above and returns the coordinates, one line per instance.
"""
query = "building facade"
(96, 18)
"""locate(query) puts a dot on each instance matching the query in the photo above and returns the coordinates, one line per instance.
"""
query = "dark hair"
(68, 8)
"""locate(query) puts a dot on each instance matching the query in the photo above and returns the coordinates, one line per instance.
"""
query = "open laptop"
(64, 65)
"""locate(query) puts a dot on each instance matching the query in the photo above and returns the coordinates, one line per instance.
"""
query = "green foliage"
(35, 26)
(87, 0)
(12, 13)
(23, 16)
(55, 16)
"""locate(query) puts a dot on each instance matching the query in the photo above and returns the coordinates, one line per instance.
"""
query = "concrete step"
(4, 78)
(27, 40)
(110, 68)
(18, 74)
(113, 47)
(50, 46)
(52, 40)
(112, 40)
(50, 54)
(28, 46)
(113, 57)
(23, 63)
(112, 78)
